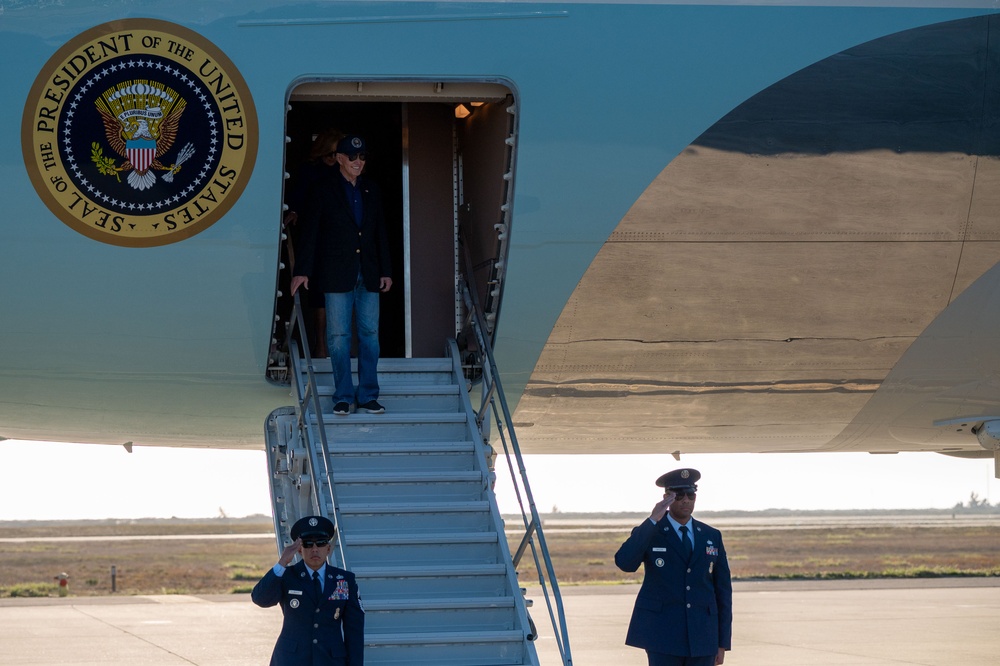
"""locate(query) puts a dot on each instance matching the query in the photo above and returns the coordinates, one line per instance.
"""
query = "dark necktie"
(686, 543)
(317, 585)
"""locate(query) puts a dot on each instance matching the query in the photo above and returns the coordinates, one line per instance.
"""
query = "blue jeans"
(339, 308)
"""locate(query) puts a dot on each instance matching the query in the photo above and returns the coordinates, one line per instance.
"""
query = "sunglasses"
(356, 156)
(679, 494)
(318, 544)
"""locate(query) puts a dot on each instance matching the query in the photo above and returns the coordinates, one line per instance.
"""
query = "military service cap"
(313, 526)
(680, 478)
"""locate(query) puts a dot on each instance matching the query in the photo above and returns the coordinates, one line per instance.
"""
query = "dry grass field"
(224, 565)
(802, 553)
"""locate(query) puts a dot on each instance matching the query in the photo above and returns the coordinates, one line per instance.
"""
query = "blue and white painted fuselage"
(773, 222)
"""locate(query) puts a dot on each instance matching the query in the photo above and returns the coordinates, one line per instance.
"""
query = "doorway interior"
(443, 156)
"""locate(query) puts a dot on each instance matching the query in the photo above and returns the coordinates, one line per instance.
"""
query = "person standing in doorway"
(344, 252)
(683, 614)
(322, 165)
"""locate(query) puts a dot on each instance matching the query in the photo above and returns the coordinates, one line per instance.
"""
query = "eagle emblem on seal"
(141, 121)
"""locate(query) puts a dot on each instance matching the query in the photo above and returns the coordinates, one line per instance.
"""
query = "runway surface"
(937, 622)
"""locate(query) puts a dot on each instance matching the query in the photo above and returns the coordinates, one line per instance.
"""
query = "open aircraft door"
(442, 154)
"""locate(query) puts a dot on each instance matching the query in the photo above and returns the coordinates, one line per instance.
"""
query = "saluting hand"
(661, 507)
(289, 553)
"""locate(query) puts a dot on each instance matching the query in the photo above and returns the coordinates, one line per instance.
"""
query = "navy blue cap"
(680, 478)
(313, 526)
(351, 145)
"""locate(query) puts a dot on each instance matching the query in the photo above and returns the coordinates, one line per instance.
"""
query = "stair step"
(428, 548)
(432, 581)
(415, 507)
(457, 614)
(473, 648)
(340, 478)
(388, 365)
(401, 389)
(394, 426)
(429, 571)
(404, 398)
(436, 659)
(461, 486)
(399, 448)
(425, 638)
(455, 603)
(390, 418)
(383, 457)
(442, 538)
(414, 517)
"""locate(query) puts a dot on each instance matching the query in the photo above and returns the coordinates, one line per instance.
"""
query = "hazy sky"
(43, 481)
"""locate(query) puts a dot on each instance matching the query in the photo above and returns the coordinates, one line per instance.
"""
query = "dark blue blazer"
(332, 247)
(326, 631)
(683, 608)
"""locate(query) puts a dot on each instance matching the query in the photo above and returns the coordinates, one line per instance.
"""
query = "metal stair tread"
(419, 538)
(416, 507)
(428, 604)
(428, 637)
(393, 389)
(406, 477)
(387, 364)
(389, 418)
(340, 447)
(429, 570)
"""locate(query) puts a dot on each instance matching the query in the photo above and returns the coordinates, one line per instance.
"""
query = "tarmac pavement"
(932, 622)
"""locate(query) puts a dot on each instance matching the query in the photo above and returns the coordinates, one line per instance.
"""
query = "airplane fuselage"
(142, 291)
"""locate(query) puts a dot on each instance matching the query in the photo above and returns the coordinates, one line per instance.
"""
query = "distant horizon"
(260, 517)
(100, 481)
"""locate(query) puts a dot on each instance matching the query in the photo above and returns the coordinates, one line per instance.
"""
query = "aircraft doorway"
(442, 156)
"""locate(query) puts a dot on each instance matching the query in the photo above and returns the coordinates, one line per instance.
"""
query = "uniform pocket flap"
(645, 603)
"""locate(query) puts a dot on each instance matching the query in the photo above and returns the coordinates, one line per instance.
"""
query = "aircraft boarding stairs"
(418, 524)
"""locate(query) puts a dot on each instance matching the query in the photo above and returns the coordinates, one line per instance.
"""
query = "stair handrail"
(297, 323)
(493, 396)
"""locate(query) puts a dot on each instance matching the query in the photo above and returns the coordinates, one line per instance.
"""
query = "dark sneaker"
(342, 408)
(371, 407)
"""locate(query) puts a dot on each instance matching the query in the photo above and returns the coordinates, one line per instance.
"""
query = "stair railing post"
(312, 396)
(493, 396)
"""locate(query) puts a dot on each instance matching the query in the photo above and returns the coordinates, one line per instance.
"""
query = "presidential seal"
(139, 133)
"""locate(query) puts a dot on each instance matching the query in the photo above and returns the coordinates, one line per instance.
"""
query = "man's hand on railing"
(299, 281)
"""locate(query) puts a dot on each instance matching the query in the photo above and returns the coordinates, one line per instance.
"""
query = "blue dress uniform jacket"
(683, 608)
(327, 631)
(333, 248)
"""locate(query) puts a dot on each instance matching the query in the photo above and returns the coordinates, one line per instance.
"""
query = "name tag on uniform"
(659, 550)
(299, 592)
